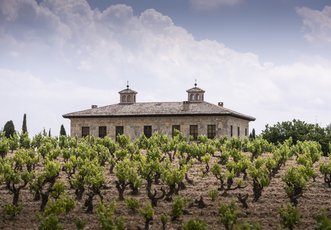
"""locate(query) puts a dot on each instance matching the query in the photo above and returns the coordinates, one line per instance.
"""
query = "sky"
(268, 59)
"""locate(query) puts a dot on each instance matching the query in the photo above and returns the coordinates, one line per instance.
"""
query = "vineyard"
(162, 183)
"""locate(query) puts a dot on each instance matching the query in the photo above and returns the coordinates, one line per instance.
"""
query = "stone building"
(192, 117)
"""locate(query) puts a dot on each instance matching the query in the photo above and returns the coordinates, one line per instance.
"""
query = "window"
(102, 131)
(128, 99)
(197, 97)
(211, 131)
(124, 98)
(85, 131)
(231, 131)
(238, 131)
(119, 130)
(192, 97)
(148, 131)
(194, 131)
(246, 132)
(175, 127)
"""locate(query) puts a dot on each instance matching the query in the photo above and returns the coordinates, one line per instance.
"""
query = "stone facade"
(135, 119)
(134, 127)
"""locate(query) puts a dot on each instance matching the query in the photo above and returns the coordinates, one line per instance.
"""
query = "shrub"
(80, 223)
(295, 179)
(248, 226)
(12, 210)
(4, 147)
(228, 215)
(325, 169)
(164, 220)
(178, 206)
(322, 221)
(289, 216)
(213, 194)
(147, 213)
(106, 217)
(132, 204)
(195, 224)
(49, 222)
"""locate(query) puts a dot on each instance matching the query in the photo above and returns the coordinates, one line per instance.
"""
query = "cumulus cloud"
(212, 4)
(317, 24)
(78, 56)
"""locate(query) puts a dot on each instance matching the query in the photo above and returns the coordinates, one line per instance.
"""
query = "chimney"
(186, 105)
(220, 104)
(94, 106)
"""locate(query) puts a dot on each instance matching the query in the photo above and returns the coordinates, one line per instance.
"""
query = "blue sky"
(269, 59)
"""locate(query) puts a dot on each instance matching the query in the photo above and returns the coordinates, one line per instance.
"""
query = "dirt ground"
(265, 212)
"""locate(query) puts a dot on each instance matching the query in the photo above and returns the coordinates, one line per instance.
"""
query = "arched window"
(124, 98)
(128, 99)
(192, 97)
(197, 97)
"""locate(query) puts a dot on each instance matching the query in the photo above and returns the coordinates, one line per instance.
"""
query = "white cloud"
(83, 56)
(317, 24)
(212, 4)
(44, 102)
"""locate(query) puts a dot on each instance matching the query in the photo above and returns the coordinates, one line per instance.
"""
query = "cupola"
(195, 94)
(127, 96)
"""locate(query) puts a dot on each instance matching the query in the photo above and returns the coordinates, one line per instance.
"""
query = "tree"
(252, 135)
(9, 129)
(24, 127)
(298, 131)
(63, 131)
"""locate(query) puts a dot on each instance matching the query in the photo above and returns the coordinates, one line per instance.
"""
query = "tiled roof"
(127, 91)
(195, 90)
(158, 109)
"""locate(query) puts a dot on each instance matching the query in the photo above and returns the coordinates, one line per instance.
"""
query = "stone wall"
(134, 126)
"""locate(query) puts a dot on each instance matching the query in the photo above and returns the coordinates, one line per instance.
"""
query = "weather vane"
(195, 83)
(127, 84)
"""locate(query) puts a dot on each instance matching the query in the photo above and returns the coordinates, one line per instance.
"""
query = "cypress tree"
(9, 128)
(252, 135)
(49, 133)
(63, 131)
(24, 128)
